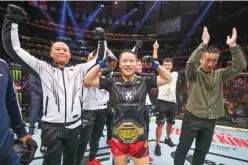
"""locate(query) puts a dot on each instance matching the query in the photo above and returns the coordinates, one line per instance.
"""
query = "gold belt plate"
(128, 132)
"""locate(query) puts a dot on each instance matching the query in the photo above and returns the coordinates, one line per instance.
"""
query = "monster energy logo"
(19, 96)
(16, 74)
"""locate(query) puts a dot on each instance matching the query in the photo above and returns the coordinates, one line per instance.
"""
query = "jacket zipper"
(65, 93)
(58, 102)
(80, 103)
(46, 105)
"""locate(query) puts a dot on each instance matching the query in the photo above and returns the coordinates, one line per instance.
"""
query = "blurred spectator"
(230, 113)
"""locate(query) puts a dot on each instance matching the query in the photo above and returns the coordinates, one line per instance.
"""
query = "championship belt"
(128, 132)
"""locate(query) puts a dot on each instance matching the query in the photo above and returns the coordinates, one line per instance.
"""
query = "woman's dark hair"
(127, 51)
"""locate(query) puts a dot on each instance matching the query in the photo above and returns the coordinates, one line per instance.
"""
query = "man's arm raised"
(11, 43)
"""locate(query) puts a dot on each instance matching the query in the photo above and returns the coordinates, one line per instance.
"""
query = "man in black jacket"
(36, 99)
(10, 118)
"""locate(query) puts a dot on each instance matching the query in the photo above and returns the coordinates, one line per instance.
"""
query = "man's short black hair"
(168, 60)
(211, 49)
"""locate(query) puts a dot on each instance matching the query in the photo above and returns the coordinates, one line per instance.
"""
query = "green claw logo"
(19, 96)
(16, 74)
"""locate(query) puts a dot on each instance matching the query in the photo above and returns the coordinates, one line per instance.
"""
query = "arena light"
(48, 17)
(102, 5)
(196, 23)
(116, 2)
(125, 17)
(71, 16)
(63, 20)
(136, 29)
(88, 22)
(74, 23)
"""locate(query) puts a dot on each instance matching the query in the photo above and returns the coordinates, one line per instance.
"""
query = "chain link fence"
(21, 82)
(235, 97)
(235, 101)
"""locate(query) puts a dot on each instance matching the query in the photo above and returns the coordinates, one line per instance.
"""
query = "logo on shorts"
(43, 148)
(146, 144)
(84, 123)
(128, 95)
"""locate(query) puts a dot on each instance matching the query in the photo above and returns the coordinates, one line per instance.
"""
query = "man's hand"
(156, 45)
(205, 35)
(138, 44)
(28, 157)
(106, 71)
(148, 62)
(231, 42)
(230, 105)
(91, 56)
(24, 140)
(15, 13)
(111, 61)
(31, 131)
(99, 33)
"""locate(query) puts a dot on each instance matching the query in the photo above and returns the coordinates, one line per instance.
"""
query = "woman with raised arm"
(128, 95)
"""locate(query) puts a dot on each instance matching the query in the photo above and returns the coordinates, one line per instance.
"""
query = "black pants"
(194, 127)
(56, 141)
(91, 131)
(35, 112)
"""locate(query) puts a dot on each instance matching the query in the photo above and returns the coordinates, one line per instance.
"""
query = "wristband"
(155, 64)
(102, 64)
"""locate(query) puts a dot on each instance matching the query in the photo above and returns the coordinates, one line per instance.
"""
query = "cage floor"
(229, 147)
